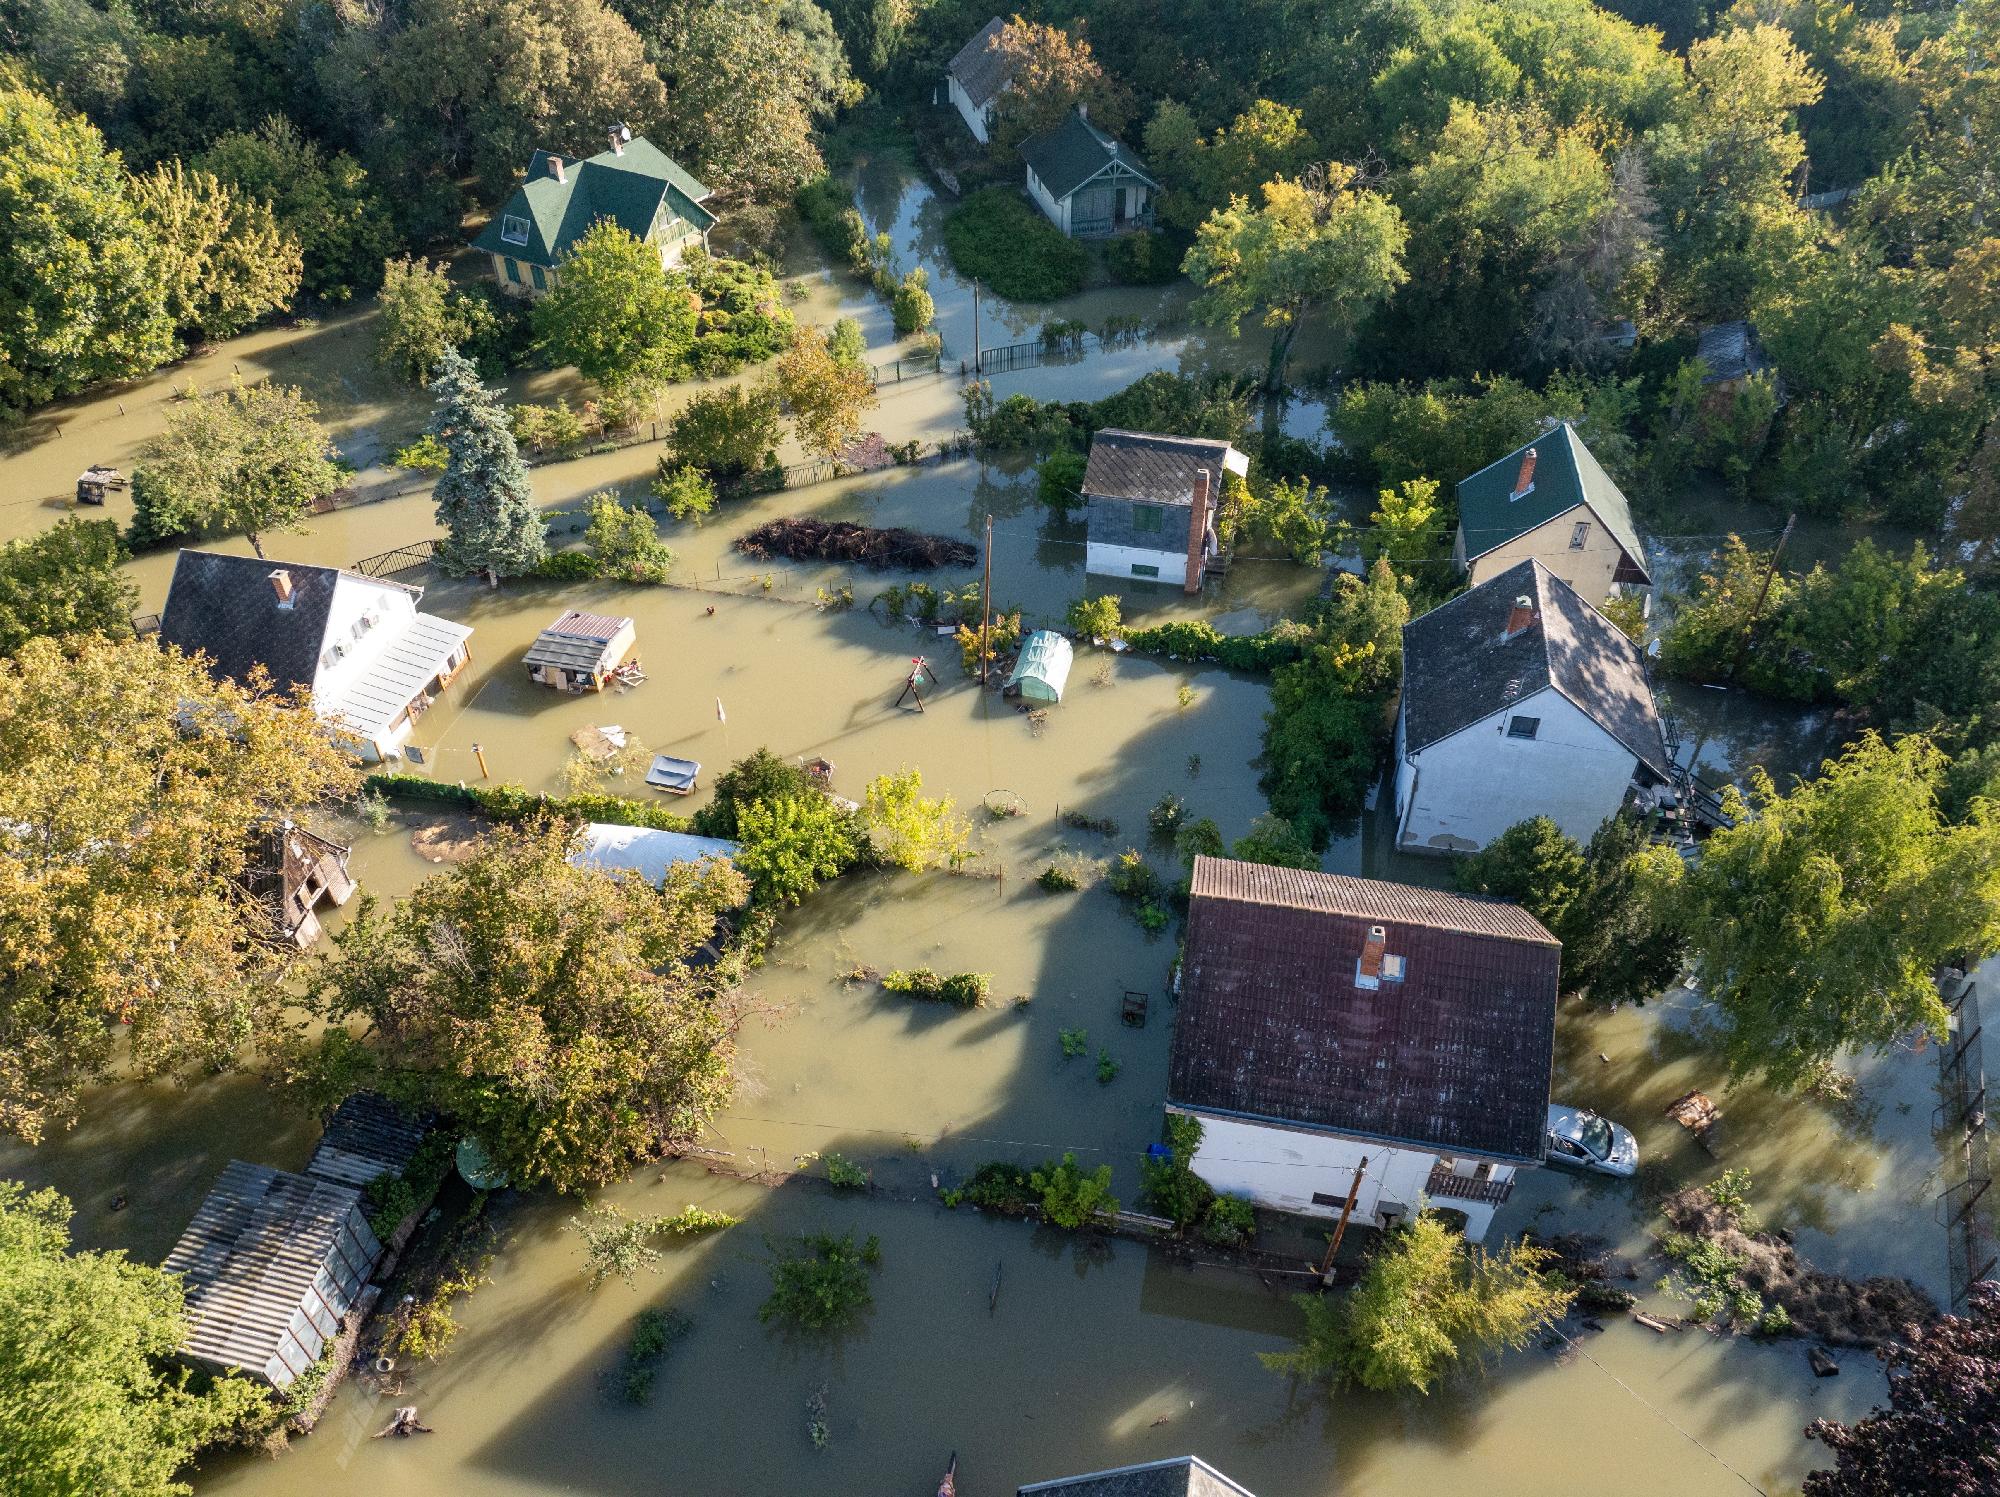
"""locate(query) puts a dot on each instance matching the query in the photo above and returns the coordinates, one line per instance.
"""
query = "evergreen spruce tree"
(483, 497)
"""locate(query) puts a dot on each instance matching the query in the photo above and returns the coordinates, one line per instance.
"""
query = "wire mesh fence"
(1967, 1207)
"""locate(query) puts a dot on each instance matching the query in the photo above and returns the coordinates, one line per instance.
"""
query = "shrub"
(728, 434)
(512, 803)
(843, 1173)
(1071, 1198)
(912, 306)
(1107, 1068)
(1146, 259)
(846, 343)
(1230, 1222)
(625, 541)
(1097, 618)
(1000, 1187)
(1058, 879)
(743, 318)
(1059, 481)
(963, 989)
(1132, 878)
(822, 1284)
(686, 491)
(425, 455)
(1167, 814)
(566, 566)
(758, 776)
(828, 209)
(1075, 1042)
(994, 236)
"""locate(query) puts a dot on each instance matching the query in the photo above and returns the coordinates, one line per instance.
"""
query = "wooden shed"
(272, 1264)
(367, 1136)
(584, 652)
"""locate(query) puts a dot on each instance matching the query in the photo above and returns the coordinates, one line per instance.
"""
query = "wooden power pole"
(1340, 1227)
(1763, 592)
(975, 330)
(986, 600)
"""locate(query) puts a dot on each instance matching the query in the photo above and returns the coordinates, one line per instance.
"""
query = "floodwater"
(1094, 1356)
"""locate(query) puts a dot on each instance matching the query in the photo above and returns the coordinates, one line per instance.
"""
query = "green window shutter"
(541, 281)
(513, 271)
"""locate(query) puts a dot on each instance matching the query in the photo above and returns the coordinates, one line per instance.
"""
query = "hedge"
(1197, 639)
(512, 803)
(995, 236)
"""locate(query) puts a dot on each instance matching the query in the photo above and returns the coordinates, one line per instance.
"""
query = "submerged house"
(274, 1265)
(1183, 1476)
(975, 78)
(371, 660)
(1347, 1039)
(634, 184)
(581, 651)
(1085, 182)
(1151, 503)
(1519, 700)
(1552, 501)
(290, 871)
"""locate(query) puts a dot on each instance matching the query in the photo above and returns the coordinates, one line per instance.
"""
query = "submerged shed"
(1041, 669)
(581, 651)
(367, 1136)
(272, 1264)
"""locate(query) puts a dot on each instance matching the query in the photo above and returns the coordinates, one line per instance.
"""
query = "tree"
(909, 831)
(87, 1403)
(825, 397)
(1319, 243)
(134, 784)
(555, 1011)
(1049, 73)
(1406, 524)
(418, 317)
(325, 203)
(1940, 1435)
(1426, 1300)
(222, 260)
(1815, 921)
(727, 433)
(913, 308)
(625, 541)
(615, 314)
(757, 776)
(1274, 841)
(791, 842)
(1059, 480)
(251, 458)
(483, 496)
(686, 492)
(65, 581)
(79, 297)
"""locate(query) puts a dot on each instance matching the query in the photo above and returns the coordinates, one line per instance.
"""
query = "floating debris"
(842, 540)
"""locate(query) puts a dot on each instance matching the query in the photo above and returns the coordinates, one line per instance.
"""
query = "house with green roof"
(1086, 183)
(1550, 501)
(633, 183)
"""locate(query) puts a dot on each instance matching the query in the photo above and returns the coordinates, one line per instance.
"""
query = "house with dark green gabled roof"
(1550, 501)
(1085, 182)
(634, 183)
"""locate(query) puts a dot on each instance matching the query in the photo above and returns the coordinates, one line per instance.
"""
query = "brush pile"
(842, 540)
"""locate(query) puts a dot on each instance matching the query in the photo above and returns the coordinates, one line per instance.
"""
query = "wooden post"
(1340, 1227)
(1764, 591)
(976, 371)
(986, 602)
(480, 754)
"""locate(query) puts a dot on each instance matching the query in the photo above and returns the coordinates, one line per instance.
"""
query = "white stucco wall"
(1054, 210)
(1101, 560)
(1588, 568)
(1282, 1169)
(975, 118)
(1457, 795)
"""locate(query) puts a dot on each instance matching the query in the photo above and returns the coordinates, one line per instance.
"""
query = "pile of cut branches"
(842, 540)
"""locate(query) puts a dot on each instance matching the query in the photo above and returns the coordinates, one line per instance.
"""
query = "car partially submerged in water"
(1580, 1139)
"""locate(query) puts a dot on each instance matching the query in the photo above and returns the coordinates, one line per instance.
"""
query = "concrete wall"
(1458, 794)
(1103, 560)
(1055, 210)
(975, 118)
(1283, 1169)
(1588, 569)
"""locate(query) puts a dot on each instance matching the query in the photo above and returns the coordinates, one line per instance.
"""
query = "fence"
(1966, 1208)
(915, 367)
(1062, 344)
(402, 559)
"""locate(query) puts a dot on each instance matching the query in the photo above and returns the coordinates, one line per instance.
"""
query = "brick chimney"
(1368, 971)
(1197, 536)
(1520, 616)
(1524, 483)
(281, 584)
(619, 135)
(556, 167)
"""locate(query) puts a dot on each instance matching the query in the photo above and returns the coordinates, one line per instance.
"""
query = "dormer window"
(1392, 968)
(514, 228)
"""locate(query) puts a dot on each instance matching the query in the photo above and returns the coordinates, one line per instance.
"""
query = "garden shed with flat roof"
(581, 651)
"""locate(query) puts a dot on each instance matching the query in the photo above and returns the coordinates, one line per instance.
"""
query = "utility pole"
(1340, 1228)
(1763, 592)
(975, 329)
(986, 600)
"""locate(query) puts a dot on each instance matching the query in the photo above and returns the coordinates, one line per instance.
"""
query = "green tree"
(615, 314)
(222, 260)
(80, 299)
(791, 842)
(1274, 841)
(251, 458)
(1049, 72)
(65, 581)
(1407, 523)
(909, 831)
(625, 541)
(555, 1011)
(685, 491)
(757, 776)
(483, 496)
(1319, 243)
(134, 785)
(88, 1404)
(726, 434)
(1426, 1301)
(418, 317)
(1059, 479)
(912, 306)
(826, 399)
(1815, 921)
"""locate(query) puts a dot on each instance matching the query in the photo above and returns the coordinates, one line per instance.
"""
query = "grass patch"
(997, 238)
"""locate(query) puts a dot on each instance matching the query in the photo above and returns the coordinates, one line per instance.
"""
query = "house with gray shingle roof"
(975, 78)
(1520, 700)
(633, 183)
(1351, 1039)
(1550, 500)
(1085, 182)
(1151, 502)
(1183, 1476)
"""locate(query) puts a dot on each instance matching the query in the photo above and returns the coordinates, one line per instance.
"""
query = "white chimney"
(281, 584)
(619, 135)
(556, 166)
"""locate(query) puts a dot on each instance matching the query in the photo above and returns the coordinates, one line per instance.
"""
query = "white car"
(1581, 1139)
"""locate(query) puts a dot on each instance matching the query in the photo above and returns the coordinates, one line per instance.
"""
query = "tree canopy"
(615, 314)
(484, 498)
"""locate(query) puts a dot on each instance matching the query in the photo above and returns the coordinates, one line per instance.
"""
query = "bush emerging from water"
(823, 1284)
(962, 989)
(998, 239)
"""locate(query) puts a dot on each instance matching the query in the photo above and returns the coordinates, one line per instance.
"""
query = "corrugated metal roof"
(368, 1135)
(1454, 1056)
(580, 642)
(395, 677)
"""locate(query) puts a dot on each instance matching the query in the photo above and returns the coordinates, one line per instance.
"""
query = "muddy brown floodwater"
(1096, 1354)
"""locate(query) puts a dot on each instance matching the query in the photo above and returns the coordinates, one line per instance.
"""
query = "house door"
(1118, 207)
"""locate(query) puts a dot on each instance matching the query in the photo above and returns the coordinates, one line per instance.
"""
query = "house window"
(514, 229)
(1146, 518)
(513, 271)
(1140, 569)
(1523, 727)
(541, 281)
(1579, 535)
(1392, 969)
